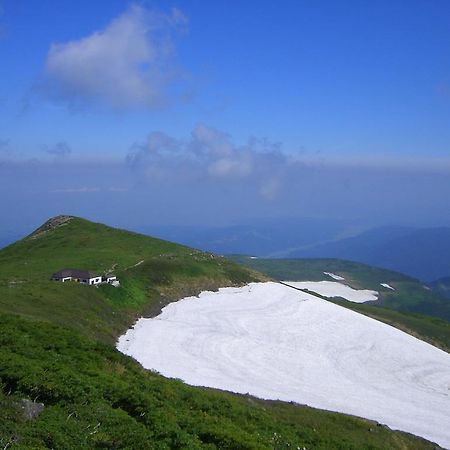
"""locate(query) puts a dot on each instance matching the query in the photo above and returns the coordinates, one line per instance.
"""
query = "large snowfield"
(276, 342)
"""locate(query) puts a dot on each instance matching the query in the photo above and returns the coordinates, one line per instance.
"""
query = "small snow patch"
(334, 276)
(332, 289)
(385, 285)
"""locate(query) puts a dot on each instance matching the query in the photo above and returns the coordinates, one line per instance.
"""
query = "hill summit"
(51, 224)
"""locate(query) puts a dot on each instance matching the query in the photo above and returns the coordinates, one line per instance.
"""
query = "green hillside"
(63, 385)
(152, 272)
(95, 397)
(408, 308)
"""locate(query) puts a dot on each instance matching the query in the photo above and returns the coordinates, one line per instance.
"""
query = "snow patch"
(332, 289)
(334, 276)
(275, 342)
(385, 285)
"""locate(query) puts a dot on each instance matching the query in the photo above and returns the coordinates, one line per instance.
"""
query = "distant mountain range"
(421, 253)
(261, 237)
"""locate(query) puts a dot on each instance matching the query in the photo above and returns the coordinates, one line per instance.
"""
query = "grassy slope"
(165, 272)
(96, 397)
(56, 350)
(398, 308)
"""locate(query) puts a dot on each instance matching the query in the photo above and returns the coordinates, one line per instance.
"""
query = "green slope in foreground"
(56, 349)
(408, 308)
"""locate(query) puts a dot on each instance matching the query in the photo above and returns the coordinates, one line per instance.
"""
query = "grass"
(95, 397)
(152, 273)
(56, 348)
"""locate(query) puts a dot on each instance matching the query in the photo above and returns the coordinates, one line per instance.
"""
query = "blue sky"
(231, 104)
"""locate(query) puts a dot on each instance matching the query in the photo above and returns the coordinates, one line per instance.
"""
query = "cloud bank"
(127, 64)
(210, 179)
(210, 155)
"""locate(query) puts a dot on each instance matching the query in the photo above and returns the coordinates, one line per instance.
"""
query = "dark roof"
(75, 273)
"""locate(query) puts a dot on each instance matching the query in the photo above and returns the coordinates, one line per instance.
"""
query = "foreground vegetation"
(63, 385)
(95, 397)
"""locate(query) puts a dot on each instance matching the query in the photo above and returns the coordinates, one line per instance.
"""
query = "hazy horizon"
(142, 114)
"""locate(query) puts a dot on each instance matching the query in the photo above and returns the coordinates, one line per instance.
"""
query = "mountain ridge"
(421, 253)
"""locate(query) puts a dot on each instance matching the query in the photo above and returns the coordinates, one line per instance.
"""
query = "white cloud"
(238, 166)
(127, 64)
(209, 153)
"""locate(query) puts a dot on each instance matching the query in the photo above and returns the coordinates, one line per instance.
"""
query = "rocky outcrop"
(51, 224)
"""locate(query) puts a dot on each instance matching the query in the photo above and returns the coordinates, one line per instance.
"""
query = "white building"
(109, 278)
(81, 276)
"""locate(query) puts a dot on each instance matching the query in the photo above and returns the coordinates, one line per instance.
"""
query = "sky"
(192, 112)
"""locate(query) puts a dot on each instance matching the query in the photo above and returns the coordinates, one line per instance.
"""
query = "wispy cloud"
(60, 150)
(78, 190)
(127, 64)
(118, 189)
